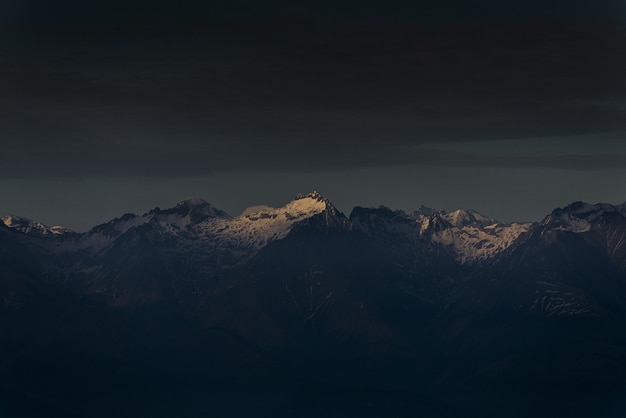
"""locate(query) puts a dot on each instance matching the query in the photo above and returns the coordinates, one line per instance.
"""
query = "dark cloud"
(429, 157)
(113, 106)
(152, 102)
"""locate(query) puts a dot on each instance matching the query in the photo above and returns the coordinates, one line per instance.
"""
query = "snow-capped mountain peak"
(425, 210)
(197, 205)
(197, 208)
(579, 216)
(469, 236)
(309, 201)
(583, 209)
(315, 195)
(299, 208)
(472, 243)
(185, 215)
(436, 222)
(196, 224)
(258, 225)
(468, 217)
(28, 226)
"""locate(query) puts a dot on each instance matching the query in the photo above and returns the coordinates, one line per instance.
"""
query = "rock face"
(433, 313)
(28, 226)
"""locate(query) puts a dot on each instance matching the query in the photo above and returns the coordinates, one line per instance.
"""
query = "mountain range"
(304, 311)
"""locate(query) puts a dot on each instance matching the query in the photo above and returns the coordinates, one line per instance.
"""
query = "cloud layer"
(190, 101)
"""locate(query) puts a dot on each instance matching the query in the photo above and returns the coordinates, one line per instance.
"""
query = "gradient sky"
(511, 108)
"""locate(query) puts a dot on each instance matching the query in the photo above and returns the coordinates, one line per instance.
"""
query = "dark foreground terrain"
(371, 315)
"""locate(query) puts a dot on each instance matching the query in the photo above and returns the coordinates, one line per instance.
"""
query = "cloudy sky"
(511, 108)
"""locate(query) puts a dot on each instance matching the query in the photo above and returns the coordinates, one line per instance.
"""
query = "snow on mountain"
(471, 236)
(189, 211)
(468, 235)
(579, 217)
(196, 225)
(458, 218)
(258, 225)
(601, 224)
(468, 217)
(176, 222)
(28, 226)
(472, 243)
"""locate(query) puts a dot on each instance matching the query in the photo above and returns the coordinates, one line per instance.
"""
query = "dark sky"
(512, 108)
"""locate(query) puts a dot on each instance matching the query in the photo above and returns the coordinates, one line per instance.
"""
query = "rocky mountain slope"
(431, 313)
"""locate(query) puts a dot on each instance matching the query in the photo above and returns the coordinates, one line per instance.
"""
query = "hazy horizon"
(510, 109)
(107, 203)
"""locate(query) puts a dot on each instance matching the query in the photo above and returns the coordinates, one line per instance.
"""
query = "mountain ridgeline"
(302, 311)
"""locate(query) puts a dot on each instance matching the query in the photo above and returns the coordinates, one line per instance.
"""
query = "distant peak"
(464, 213)
(469, 217)
(315, 202)
(313, 195)
(426, 210)
(194, 202)
(317, 198)
(197, 207)
(10, 220)
(580, 216)
(29, 226)
(580, 211)
(583, 208)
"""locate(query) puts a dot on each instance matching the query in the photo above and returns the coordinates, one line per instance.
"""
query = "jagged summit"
(580, 216)
(381, 211)
(312, 195)
(185, 214)
(196, 209)
(584, 209)
(13, 219)
(468, 217)
(426, 210)
(333, 215)
(258, 225)
(29, 226)
(198, 206)
(303, 205)
(194, 202)
(315, 197)
(458, 218)
(466, 233)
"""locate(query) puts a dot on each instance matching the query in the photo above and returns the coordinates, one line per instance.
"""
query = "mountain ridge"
(469, 235)
(303, 299)
(199, 206)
